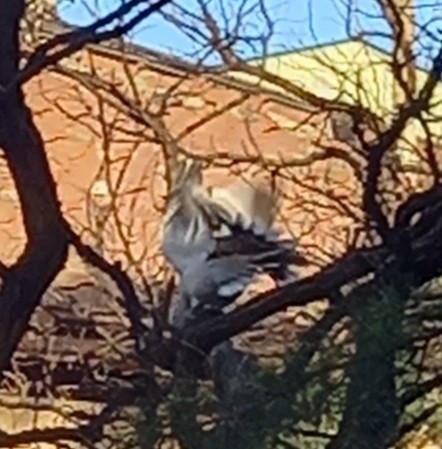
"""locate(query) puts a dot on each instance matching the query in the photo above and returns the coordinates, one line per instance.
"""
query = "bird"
(250, 204)
(190, 217)
(207, 287)
(218, 241)
(225, 278)
(252, 212)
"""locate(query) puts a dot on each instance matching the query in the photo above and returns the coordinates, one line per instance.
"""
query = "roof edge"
(320, 46)
(171, 65)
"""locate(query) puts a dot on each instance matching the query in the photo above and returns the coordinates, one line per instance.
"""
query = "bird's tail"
(281, 263)
(272, 261)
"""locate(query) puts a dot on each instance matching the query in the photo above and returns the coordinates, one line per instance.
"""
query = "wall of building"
(319, 201)
(74, 123)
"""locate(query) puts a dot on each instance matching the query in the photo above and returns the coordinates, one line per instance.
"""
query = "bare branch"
(49, 53)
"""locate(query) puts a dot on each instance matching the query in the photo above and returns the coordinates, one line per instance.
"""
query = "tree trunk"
(46, 248)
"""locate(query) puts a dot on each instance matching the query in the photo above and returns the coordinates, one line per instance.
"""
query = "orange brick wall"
(68, 117)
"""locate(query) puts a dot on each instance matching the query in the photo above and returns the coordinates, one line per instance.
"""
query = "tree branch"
(426, 247)
(50, 53)
(46, 248)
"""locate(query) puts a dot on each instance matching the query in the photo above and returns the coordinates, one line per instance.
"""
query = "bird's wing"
(252, 210)
(232, 221)
(187, 235)
(251, 206)
(217, 282)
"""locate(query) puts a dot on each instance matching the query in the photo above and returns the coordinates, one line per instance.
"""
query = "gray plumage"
(208, 286)
(225, 278)
(219, 243)
(190, 218)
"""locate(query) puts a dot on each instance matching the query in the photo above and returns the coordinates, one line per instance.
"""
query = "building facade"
(105, 114)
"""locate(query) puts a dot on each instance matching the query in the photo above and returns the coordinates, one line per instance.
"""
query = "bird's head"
(186, 173)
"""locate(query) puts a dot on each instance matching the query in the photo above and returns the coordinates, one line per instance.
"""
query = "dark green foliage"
(348, 383)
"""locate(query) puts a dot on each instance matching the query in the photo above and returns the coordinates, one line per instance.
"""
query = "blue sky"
(297, 23)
